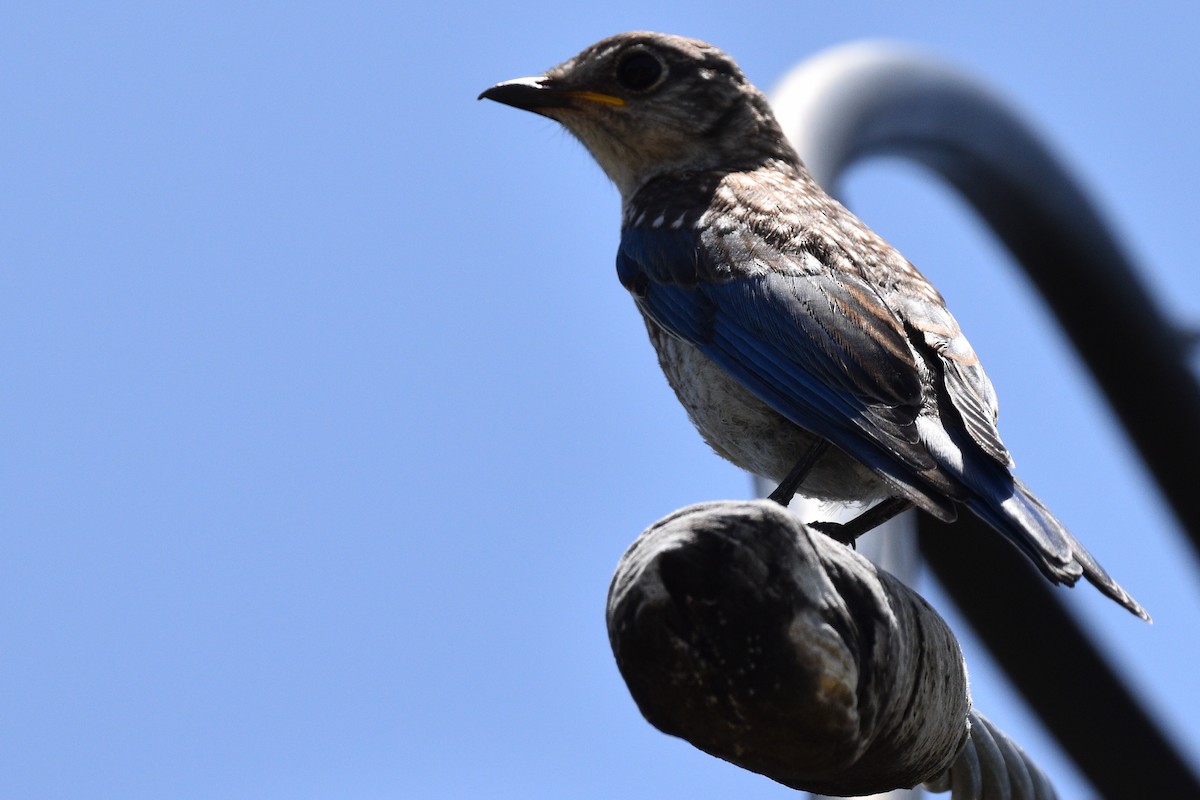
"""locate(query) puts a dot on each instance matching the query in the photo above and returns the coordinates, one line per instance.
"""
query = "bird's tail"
(1025, 520)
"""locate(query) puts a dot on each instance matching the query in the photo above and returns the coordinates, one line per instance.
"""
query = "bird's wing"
(963, 378)
(817, 345)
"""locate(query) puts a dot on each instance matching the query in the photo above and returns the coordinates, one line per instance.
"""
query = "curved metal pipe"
(876, 99)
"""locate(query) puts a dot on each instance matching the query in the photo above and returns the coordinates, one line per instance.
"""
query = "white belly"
(744, 430)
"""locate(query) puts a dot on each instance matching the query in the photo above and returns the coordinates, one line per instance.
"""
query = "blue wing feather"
(799, 342)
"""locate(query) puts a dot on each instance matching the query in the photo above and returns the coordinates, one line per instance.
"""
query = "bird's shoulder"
(773, 217)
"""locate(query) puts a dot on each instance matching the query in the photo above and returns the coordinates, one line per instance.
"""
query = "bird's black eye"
(639, 71)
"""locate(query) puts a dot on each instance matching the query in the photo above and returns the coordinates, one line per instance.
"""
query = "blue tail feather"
(1025, 521)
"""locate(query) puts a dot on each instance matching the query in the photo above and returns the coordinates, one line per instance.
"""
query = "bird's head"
(645, 104)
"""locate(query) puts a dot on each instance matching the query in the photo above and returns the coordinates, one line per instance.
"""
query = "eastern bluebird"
(803, 346)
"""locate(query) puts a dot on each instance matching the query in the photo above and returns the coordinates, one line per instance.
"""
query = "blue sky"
(325, 420)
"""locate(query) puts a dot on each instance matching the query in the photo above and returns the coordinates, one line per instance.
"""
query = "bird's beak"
(527, 94)
(539, 94)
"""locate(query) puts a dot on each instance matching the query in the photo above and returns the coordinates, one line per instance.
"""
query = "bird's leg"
(881, 512)
(786, 490)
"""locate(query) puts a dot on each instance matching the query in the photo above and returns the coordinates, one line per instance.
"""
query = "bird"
(804, 347)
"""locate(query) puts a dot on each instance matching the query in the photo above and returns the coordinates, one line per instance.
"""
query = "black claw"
(836, 531)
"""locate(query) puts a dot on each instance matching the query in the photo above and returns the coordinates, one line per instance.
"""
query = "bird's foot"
(838, 531)
(782, 496)
(876, 515)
